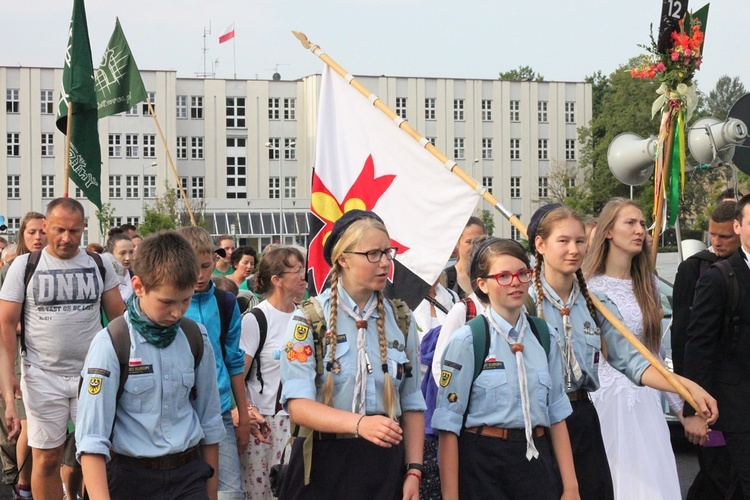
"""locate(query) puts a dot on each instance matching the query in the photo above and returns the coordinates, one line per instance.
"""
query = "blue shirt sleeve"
(455, 383)
(235, 356)
(298, 362)
(206, 404)
(620, 353)
(411, 394)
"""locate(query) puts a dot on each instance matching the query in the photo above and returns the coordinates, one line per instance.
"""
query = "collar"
(350, 302)
(504, 325)
(207, 294)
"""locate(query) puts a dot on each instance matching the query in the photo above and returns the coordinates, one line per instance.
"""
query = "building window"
(131, 187)
(182, 148)
(235, 112)
(486, 110)
(570, 112)
(458, 148)
(429, 108)
(12, 101)
(181, 107)
(273, 188)
(515, 111)
(115, 149)
(290, 151)
(543, 187)
(290, 108)
(115, 186)
(14, 224)
(236, 167)
(541, 107)
(149, 145)
(273, 148)
(48, 145)
(542, 153)
(14, 187)
(571, 185)
(14, 144)
(132, 111)
(432, 140)
(48, 186)
(183, 184)
(515, 187)
(196, 107)
(570, 149)
(515, 149)
(133, 220)
(79, 193)
(196, 148)
(196, 191)
(118, 221)
(515, 234)
(48, 102)
(487, 148)
(487, 183)
(290, 187)
(149, 186)
(273, 108)
(131, 145)
(401, 107)
(152, 98)
(458, 109)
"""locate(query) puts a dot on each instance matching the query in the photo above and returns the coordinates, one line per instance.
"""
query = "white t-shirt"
(270, 356)
(455, 319)
(62, 312)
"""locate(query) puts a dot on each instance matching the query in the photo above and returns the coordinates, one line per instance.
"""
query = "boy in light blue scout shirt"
(367, 389)
(491, 428)
(165, 427)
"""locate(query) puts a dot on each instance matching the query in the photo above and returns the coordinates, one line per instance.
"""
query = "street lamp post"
(288, 147)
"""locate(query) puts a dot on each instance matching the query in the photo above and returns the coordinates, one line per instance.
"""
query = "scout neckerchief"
(572, 368)
(159, 336)
(363, 359)
(516, 346)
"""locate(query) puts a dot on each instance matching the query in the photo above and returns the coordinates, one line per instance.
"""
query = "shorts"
(51, 399)
(20, 408)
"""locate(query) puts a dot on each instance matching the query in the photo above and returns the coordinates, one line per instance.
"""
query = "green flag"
(118, 81)
(84, 158)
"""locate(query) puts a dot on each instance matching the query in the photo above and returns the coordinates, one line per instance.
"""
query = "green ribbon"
(676, 169)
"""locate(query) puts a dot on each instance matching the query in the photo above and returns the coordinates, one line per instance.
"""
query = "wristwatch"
(415, 466)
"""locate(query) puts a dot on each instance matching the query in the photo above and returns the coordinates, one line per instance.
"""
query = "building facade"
(244, 149)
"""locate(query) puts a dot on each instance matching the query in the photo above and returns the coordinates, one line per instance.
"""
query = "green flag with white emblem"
(118, 82)
(77, 94)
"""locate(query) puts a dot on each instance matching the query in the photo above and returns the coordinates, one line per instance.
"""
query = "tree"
(723, 96)
(523, 73)
(106, 218)
(565, 183)
(488, 221)
(169, 212)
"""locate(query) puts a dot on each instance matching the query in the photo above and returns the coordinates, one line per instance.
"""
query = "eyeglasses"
(374, 256)
(505, 279)
(301, 271)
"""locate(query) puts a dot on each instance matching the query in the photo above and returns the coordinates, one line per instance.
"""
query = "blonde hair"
(544, 230)
(348, 240)
(642, 270)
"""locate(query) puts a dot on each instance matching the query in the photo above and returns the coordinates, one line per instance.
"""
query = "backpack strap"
(316, 319)
(480, 333)
(540, 330)
(119, 334)
(225, 301)
(263, 330)
(730, 332)
(471, 308)
(31, 265)
(403, 318)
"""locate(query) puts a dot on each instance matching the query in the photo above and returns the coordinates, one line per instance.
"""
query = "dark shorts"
(187, 482)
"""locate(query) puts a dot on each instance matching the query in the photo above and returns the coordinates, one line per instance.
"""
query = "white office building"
(244, 149)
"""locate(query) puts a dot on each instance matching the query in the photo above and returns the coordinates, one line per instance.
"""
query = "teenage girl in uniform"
(492, 442)
(366, 407)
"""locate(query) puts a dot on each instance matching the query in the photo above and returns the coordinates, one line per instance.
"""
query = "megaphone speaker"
(725, 135)
(631, 158)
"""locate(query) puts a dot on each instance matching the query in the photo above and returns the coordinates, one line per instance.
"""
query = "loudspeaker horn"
(631, 158)
(741, 111)
(709, 135)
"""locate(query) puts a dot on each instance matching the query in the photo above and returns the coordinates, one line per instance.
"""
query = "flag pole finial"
(302, 38)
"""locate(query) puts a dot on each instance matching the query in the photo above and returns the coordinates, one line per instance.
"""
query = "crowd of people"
(180, 366)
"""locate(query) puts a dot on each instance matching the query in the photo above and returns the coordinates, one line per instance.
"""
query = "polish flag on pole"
(228, 34)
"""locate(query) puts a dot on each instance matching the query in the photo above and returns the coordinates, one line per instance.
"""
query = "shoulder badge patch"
(95, 385)
(300, 332)
(445, 378)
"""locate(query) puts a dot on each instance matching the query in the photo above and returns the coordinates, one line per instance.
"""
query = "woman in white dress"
(635, 433)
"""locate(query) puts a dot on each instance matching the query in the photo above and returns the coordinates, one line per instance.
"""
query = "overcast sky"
(562, 40)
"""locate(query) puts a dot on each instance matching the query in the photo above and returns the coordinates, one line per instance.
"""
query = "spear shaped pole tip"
(302, 38)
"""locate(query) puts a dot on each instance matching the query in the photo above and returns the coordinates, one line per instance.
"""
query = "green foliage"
(169, 212)
(106, 218)
(489, 221)
(523, 73)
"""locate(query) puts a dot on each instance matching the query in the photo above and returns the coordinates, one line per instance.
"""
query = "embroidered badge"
(452, 397)
(301, 319)
(134, 361)
(140, 369)
(445, 378)
(397, 345)
(493, 365)
(95, 385)
(300, 332)
(588, 329)
(596, 357)
(298, 352)
(98, 371)
(453, 365)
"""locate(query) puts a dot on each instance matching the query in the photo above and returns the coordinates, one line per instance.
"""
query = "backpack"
(31, 266)
(225, 301)
(427, 355)
(730, 329)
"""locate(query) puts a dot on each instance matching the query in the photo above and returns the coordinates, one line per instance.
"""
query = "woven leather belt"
(579, 395)
(167, 462)
(506, 434)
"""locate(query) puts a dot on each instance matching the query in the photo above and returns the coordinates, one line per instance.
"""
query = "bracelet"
(249, 408)
(356, 429)
(415, 466)
(410, 473)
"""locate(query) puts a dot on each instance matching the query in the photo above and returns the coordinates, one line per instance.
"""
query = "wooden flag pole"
(66, 172)
(660, 196)
(171, 163)
(451, 165)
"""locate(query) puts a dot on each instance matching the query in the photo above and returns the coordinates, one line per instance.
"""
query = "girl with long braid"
(364, 410)
(557, 239)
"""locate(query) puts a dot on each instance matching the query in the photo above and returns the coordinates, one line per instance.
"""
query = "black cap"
(537, 219)
(340, 226)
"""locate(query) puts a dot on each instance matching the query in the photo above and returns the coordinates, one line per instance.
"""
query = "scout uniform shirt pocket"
(491, 387)
(397, 360)
(139, 395)
(593, 348)
(188, 382)
(343, 364)
(545, 385)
